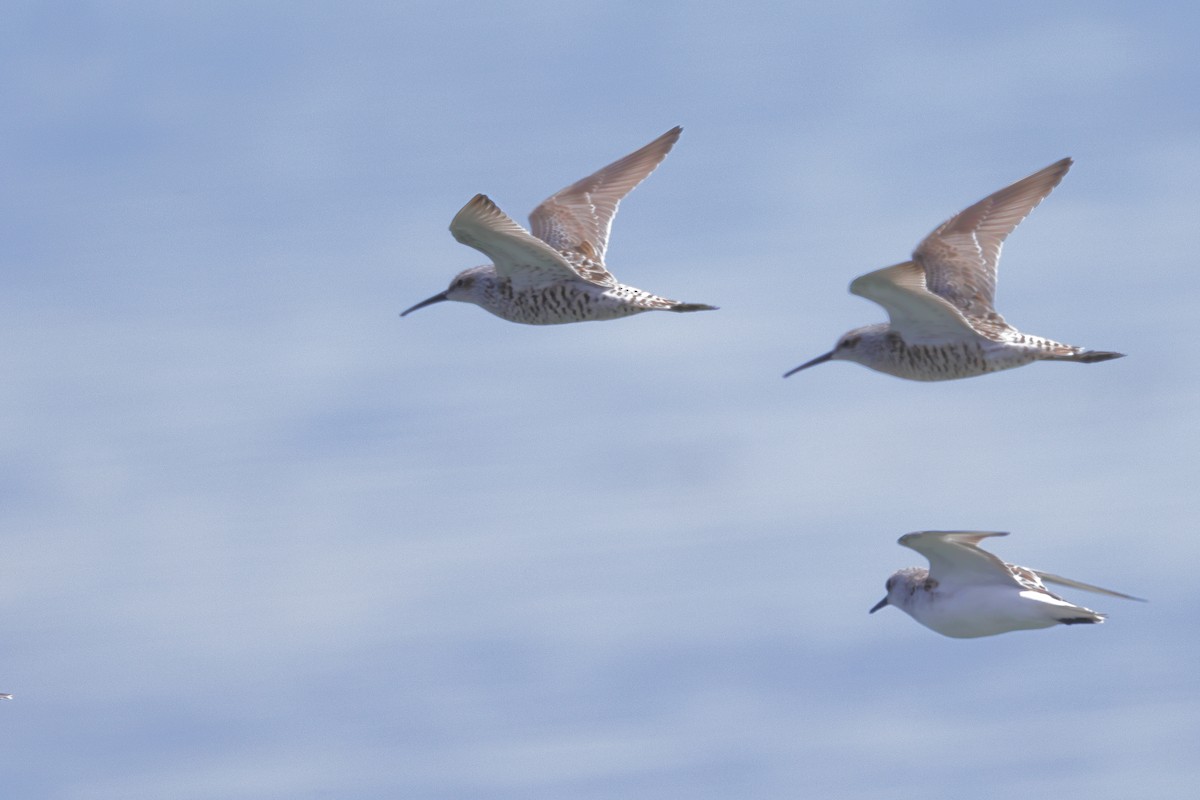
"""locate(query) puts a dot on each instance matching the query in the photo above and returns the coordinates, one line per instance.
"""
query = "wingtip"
(670, 137)
(908, 537)
(1060, 168)
(479, 200)
(478, 206)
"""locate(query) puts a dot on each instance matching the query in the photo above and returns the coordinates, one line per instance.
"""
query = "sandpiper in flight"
(943, 322)
(968, 592)
(557, 273)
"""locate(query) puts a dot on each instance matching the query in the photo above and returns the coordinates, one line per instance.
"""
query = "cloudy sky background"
(262, 538)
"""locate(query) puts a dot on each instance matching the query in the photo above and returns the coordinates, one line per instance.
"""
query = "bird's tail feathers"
(1086, 356)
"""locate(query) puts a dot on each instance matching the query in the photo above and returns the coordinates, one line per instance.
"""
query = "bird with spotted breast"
(555, 272)
(942, 321)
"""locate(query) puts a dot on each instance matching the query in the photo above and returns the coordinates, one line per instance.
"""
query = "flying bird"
(968, 592)
(943, 323)
(555, 272)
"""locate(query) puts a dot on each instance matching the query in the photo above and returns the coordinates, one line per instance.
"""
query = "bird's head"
(467, 287)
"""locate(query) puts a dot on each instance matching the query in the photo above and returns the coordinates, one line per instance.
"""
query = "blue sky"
(263, 538)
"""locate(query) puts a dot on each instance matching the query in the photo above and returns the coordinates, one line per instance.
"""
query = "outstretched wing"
(960, 257)
(526, 260)
(1087, 587)
(579, 217)
(917, 314)
(955, 558)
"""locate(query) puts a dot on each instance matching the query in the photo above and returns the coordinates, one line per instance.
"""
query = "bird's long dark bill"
(878, 606)
(437, 298)
(813, 363)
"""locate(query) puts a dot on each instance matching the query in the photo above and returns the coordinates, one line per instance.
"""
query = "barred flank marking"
(574, 302)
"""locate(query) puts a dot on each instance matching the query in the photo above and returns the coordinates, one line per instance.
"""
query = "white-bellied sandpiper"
(968, 592)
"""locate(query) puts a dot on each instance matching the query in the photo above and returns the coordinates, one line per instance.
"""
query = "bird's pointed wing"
(579, 217)
(917, 314)
(525, 259)
(955, 558)
(1087, 587)
(961, 255)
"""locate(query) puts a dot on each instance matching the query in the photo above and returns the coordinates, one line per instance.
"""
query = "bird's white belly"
(984, 611)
